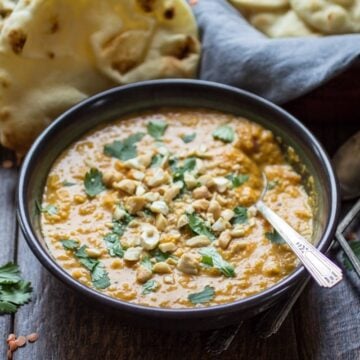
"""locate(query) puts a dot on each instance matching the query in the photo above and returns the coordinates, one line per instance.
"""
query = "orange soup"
(158, 209)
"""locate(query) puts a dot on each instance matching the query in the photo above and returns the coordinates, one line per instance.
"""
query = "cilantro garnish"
(124, 149)
(146, 263)
(237, 180)
(69, 244)
(272, 184)
(112, 242)
(85, 259)
(68, 183)
(150, 286)
(355, 247)
(203, 296)
(188, 138)
(94, 182)
(275, 237)
(14, 291)
(48, 209)
(179, 171)
(159, 255)
(119, 226)
(99, 275)
(224, 133)
(198, 226)
(240, 215)
(156, 128)
(212, 258)
(156, 160)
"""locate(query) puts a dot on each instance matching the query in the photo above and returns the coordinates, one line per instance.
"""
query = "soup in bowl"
(158, 209)
(142, 199)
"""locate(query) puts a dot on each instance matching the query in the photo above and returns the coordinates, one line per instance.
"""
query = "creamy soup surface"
(157, 209)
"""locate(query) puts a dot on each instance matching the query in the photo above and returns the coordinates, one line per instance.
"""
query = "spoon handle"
(323, 270)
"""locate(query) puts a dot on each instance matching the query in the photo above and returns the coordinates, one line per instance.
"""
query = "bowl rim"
(45, 258)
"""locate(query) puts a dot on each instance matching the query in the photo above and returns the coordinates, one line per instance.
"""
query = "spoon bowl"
(322, 269)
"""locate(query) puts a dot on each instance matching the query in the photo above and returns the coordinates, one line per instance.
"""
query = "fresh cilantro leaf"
(9, 274)
(150, 286)
(355, 247)
(94, 182)
(275, 237)
(100, 277)
(203, 296)
(145, 262)
(49, 209)
(198, 226)
(17, 294)
(113, 245)
(179, 172)
(7, 308)
(241, 215)
(272, 184)
(119, 226)
(84, 258)
(188, 138)
(125, 149)
(159, 255)
(148, 212)
(156, 160)
(13, 290)
(156, 128)
(237, 180)
(224, 133)
(211, 257)
(68, 183)
(69, 244)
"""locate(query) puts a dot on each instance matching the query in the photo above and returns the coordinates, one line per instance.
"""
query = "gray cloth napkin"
(235, 53)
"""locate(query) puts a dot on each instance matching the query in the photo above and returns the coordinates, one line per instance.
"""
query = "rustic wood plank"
(7, 240)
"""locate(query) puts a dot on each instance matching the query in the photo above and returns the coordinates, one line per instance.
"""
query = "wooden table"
(324, 324)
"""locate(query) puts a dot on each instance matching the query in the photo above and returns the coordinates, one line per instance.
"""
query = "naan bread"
(280, 24)
(6, 8)
(55, 53)
(330, 16)
(260, 5)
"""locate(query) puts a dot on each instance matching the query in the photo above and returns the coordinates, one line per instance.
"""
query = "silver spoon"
(322, 269)
(347, 167)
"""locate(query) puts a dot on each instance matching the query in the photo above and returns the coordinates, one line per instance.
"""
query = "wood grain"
(7, 239)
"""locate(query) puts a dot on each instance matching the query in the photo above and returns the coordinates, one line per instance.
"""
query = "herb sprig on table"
(14, 291)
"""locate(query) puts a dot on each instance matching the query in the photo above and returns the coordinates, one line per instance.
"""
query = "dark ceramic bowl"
(115, 103)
